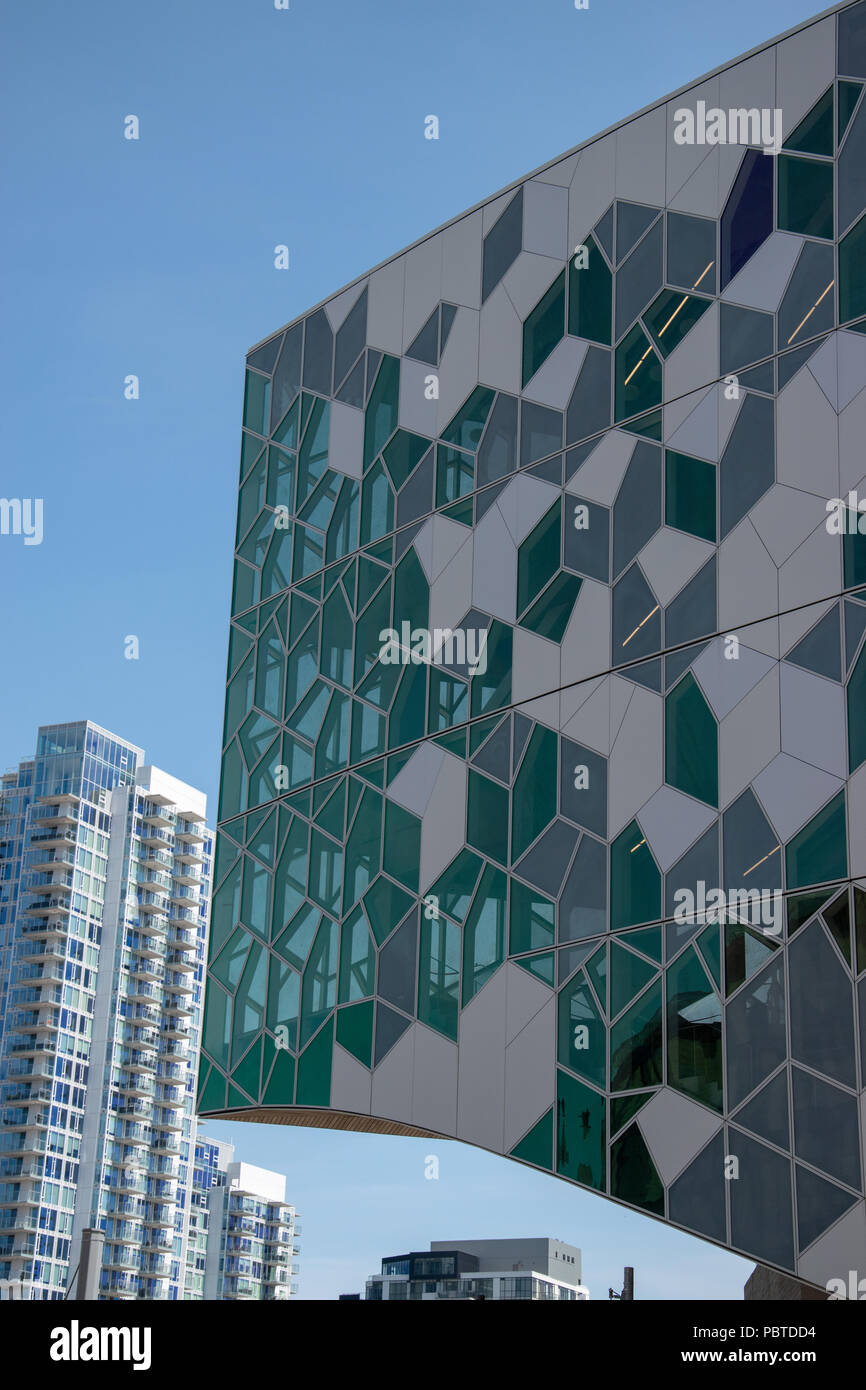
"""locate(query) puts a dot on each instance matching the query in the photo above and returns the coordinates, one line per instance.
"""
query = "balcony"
(47, 906)
(177, 1005)
(53, 839)
(140, 989)
(136, 1084)
(62, 812)
(155, 813)
(182, 982)
(47, 861)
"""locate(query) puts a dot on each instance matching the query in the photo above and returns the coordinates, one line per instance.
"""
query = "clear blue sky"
(155, 257)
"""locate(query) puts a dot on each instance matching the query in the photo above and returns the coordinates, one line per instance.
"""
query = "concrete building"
(243, 1234)
(538, 1269)
(543, 808)
(103, 928)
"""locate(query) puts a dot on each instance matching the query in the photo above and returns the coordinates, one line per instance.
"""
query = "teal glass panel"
(538, 557)
(355, 1031)
(232, 783)
(216, 1027)
(671, 316)
(550, 614)
(852, 273)
(377, 505)
(453, 890)
(848, 94)
(690, 495)
(375, 618)
(691, 743)
(313, 454)
(257, 402)
(534, 797)
(281, 478)
(856, 698)
(805, 196)
(628, 976)
(814, 134)
(581, 1033)
(484, 933)
(314, 1069)
(343, 533)
(409, 710)
(337, 636)
(332, 745)
(455, 474)
(403, 455)
(319, 990)
(465, 430)
(239, 696)
(544, 328)
(531, 920)
(402, 845)
(256, 897)
(590, 296)
(819, 852)
(228, 965)
(449, 701)
(243, 588)
(636, 1044)
(357, 959)
(270, 668)
(638, 375)
(286, 432)
(487, 817)
(581, 1132)
(411, 593)
(326, 872)
(439, 975)
(249, 1009)
(635, 881)
(694, 1023)
(251, 498)
(633, 1177)
(381, 415)
(368, 732)
(284, 993)
(295, 942)
(363, 848)
(290, 877)
(492, 689)
(385, 905)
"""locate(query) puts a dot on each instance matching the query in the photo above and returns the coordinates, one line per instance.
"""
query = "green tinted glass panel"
(216, 1028)
(453, 890)
(466, 428)
(635, 882)
(819, 854)
(449, 701)
(691, 743)
(319, 991)
(531, 920)
(542, 966)
(690, 495)
(280, 1088)
(549, 615)
(326, 872)
(284, 994)
(628, 975)
(671, 316)
(633, 1177)
(491, 689)
(411, 593)
(638, 375)
(314, 1069)
(624, 1108)
(805, 196)
(377, 505)
(534, 798)
(455, 474)
(403, 455)
(250, 997)
(814, 134)
(856, 697)
(536, 1147)
(363, 848)
(381, 414)
(257, 402)
(355, 1031)
(484, 933)
(402, 845)
(636, 1044)
(694, 1023)
(357, 959)
(386, 905)
(581, 1132)
(538, 557)
(853, 548)
(439, 975)
(590, 296)
(487, 817)
(582, 1038)
(544, 328)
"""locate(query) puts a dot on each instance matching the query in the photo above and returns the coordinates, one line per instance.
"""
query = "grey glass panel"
(759, 378)
(747, 838)
(762, 1219)
(632, 221)
(576, 457)
(822, 1012)
(639, 279)
(747, 218)
(767, 1113)
(495, 755)
(691, 252)
(826, 1133)
(819, 1204)
(448, 313)
(540, 432)
(808, 305)
(586, 803)
(697, 1198)
(497, 454)
(425, 347)
(404, 539)
(589, 407)
(678, 662)
(821, 649)
(551, 471)
(397, 960)
(637, 624)
(416, 495)
(855, 625)
(587, 550)
(352, 390)
(698, 864)
(263, 358)
(545, 864)
(484, 500)
(583, 906)
(852, 173)
(287, 374)
(374, 357)
(318, 349)
(745, 336)
(637, 512)
(747, 468)
(851, 41)
(351, 337)
(603, 232)
(755, 1042)
(389, 1028)
(693, 612)
(648, 673)
(502, 245)
(861, 1009)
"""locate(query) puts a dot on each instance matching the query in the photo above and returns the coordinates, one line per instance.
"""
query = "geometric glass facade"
(542, 818)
